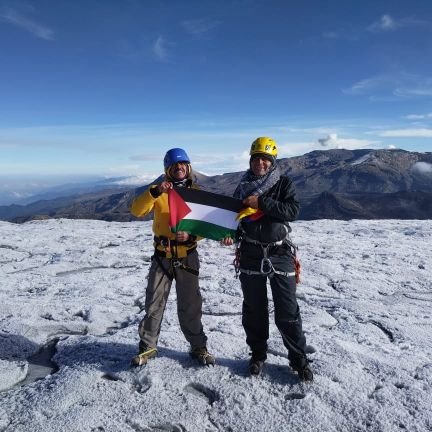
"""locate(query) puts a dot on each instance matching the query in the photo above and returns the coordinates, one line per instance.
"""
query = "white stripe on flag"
(213, 215)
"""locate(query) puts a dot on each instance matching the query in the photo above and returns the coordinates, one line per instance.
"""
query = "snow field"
(365, 299)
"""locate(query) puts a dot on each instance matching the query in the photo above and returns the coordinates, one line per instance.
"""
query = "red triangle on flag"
(178, 208)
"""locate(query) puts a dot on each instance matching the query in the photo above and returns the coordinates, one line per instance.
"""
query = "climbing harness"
(266, 266)
(170, 246)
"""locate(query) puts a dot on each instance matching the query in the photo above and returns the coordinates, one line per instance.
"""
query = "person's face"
(179, 171)
(260, 165)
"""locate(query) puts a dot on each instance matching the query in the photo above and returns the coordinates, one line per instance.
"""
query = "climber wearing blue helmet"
(175, 155)
(175, 257)
(178, 170)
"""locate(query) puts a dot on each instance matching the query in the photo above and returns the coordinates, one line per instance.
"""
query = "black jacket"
(280, 207)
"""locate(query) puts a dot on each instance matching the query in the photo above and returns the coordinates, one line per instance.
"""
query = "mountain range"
(330, 184)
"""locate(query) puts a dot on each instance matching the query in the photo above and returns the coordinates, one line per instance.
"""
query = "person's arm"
(143, 204)
(286, 207)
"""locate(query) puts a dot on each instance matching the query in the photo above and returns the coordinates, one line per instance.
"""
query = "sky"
(105, 88)
(78, 286)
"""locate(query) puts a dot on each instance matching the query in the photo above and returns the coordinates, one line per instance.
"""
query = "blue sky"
(105, 87)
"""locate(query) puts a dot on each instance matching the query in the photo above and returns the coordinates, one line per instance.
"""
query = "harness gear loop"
(236, 261)
(297, 269)
(297, 265)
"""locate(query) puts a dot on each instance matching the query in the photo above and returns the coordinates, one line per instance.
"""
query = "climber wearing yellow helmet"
(266, 252)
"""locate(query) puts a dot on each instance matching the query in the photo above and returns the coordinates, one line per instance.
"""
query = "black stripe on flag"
(198, 196)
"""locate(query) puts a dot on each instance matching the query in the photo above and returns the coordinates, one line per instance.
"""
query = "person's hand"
(165, 186)
(251, 201)
(182, 236)
(227, 241)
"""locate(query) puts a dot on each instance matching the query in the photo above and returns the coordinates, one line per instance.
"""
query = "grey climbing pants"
(189, 300)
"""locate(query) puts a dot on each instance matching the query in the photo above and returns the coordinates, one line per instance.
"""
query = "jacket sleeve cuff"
(154, 191)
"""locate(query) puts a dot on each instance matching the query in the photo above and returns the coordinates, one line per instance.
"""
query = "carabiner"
(176, 263)
(265, 262)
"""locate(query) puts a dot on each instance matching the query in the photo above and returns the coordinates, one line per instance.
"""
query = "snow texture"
(362, 159)
(74, 290)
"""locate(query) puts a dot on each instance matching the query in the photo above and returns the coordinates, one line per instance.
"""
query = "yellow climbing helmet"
(264, 145)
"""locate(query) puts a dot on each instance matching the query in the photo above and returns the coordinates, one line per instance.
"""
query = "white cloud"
(16, 18)
(295, 148)
(145, 157)
(422, 90)
(160, 49)
(320, 130)
(333, 141)
(244, 156)
(199, 26)
(391, 86)
(387, 23)
(422, 168)
(219, 163)
(119, 170)
(418, 116)
(330, 35)
(407, 133)
(136, 180)
(368, 84)
(20, 195)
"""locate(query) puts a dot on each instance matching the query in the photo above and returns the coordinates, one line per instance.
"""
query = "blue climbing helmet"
(175, 155)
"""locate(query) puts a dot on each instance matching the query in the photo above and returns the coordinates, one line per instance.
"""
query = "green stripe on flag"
(205, 229)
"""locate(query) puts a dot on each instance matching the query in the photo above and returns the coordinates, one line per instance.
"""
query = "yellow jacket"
(144, 204)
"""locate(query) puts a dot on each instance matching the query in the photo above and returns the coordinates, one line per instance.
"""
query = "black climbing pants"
(286, 312)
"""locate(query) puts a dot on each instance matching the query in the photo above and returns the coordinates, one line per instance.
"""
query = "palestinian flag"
(202, 213)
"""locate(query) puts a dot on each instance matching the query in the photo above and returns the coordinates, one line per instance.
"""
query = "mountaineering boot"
(305, 373)
(203, 356)
(144, 353)
(256, 363)
(255, 366)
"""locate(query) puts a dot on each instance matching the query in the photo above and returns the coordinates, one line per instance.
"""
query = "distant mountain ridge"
(71, 189)
(331, 184)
